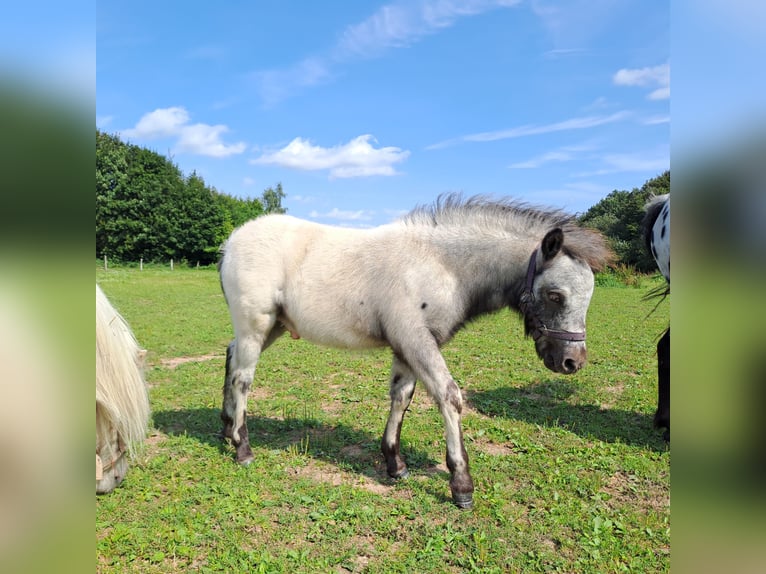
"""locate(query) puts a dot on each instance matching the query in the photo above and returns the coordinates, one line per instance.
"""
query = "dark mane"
(581, 243)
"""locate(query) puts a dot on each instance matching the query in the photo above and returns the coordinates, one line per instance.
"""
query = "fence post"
(105, 264)
(141, 264)
(171, 265)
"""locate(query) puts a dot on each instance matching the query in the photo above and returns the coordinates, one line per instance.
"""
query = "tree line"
(619, 217)
(146, 208)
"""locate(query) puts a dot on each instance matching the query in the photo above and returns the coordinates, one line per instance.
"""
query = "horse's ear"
(552, 243)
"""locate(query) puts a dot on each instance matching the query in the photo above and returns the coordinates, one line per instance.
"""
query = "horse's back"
(264, 252)
(324, 283)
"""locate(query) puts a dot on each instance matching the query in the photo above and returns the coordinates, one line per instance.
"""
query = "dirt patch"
(627, 489)
(175, 361)
(155, 438)
(615, 392)
(321, 472)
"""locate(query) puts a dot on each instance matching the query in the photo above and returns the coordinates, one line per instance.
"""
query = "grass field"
(570, 476)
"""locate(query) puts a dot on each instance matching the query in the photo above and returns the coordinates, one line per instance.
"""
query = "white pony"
(409, 285)
(122, 402)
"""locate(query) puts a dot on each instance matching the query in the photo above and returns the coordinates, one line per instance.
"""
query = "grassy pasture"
(570, 476)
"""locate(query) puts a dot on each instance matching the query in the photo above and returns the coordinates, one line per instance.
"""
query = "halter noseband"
(538, 327)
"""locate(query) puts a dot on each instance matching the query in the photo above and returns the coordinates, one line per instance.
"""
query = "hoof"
(402, 475)
(463, 501)
(246, 461)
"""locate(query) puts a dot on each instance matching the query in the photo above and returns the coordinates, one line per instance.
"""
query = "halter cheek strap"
(102, 467)
(526, 305)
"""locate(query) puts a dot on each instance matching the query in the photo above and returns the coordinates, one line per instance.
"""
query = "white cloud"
(637, 162)
(103, 121)
(566, 153)
(657, 77)
(247, 181)
(200, 139)
(159, 123)
(395, 25)
(402, 23)
(276, 85)
(542, 159)
(344, 215)
(654, 120)
(357, 158)
(651, 162)
(558, 52)
(529, 130)
(574, 24)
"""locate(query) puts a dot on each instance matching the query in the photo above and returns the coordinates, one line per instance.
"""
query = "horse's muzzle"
(564, 359)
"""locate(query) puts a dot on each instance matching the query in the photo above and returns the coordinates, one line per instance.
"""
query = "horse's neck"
(487, 263)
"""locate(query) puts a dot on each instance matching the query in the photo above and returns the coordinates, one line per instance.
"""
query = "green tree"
(272, 199)
(146, 208)
(111, 178)
(619, 215)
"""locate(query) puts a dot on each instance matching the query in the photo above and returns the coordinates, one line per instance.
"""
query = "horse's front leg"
(401, 391)
(426, 361)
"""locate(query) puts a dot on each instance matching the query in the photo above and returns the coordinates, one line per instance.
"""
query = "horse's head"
(555, 301)
(111, 454)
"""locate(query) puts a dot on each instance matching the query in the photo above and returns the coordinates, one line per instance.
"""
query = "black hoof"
(463, 501)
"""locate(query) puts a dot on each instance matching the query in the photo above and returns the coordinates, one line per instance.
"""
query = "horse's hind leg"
(662, 416)
(242, 357)
(402, 388)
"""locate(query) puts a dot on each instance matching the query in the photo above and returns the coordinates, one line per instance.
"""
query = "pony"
(656, 233)
(409, 285)
(122, 402)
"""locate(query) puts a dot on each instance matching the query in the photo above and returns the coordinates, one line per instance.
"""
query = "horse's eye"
(555, 296)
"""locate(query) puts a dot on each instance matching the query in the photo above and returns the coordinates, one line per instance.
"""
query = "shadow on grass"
(338, 444)
(545, 404)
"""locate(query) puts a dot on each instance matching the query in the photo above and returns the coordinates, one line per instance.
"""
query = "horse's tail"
(122, 402)
(218, 266)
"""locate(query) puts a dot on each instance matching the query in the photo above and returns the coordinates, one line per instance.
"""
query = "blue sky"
(363, 110)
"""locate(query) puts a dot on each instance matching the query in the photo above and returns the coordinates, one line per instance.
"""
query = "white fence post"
(105, 264)
(141, 264)
(171, 265)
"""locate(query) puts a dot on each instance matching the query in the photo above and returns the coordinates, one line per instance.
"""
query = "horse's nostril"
(570, 366)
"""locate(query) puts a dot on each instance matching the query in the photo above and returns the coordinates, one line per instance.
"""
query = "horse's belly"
(332, 329)
(343, 339)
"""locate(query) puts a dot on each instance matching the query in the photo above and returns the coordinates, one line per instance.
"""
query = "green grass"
(570, 476)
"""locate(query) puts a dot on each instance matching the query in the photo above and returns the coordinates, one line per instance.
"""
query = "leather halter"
(526, 305)
(102, 467)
